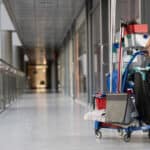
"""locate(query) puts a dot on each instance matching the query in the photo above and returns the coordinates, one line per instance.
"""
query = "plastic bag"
(96, 115)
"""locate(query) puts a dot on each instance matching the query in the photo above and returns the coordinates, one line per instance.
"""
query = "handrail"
(12, 84)
(10, 68)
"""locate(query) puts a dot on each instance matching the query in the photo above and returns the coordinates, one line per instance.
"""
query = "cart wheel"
(149, 134)
(127, 137)
(98, 134)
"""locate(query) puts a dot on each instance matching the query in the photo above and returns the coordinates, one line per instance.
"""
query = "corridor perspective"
(74, 74)
(54, 121)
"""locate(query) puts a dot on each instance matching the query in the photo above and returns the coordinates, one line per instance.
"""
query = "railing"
(12, 83)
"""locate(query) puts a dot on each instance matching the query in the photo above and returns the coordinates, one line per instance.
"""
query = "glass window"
(81, 63)
(95, 48)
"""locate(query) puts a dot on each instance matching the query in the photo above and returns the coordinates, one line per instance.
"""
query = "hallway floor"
(55, 122)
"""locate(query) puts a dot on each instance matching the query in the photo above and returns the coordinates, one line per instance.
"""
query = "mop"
(120, 65)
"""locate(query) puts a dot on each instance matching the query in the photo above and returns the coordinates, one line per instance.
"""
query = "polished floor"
(55, 122)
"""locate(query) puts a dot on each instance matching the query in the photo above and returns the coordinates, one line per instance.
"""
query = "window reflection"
(81, 63)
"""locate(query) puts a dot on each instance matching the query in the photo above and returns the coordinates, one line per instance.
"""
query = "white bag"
(96, 115)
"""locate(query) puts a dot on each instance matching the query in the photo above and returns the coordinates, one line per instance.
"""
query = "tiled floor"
(55, 122)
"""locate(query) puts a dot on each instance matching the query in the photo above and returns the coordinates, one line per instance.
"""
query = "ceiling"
(42, 23)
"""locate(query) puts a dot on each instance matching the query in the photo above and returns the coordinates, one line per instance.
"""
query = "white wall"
(9, 39)
(6, 23)
(15, 39)
(15, 57)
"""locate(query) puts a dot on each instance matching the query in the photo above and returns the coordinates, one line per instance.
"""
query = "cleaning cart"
(124, 109)
(125, 112)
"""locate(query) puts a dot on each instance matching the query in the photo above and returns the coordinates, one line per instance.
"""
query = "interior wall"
(37, 76)
(16, 60)
(80, 57)
(86, 53)
(52, 77)
(61, 73)
(67, 69)
(6, 46)
(145, 15)
(127, 10)
(98, 46)
(105, 40)
(6, 36)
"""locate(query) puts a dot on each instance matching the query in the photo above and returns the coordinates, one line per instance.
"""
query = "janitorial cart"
(126, 108)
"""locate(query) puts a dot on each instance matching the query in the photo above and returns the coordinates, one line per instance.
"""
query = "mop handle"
(120, 59)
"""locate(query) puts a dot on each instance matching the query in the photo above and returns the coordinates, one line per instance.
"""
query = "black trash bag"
(142, 95)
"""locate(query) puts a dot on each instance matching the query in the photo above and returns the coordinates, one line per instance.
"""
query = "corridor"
(55, 122)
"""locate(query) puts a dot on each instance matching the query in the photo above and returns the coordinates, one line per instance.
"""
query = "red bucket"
(100, 103)
(136, 28)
